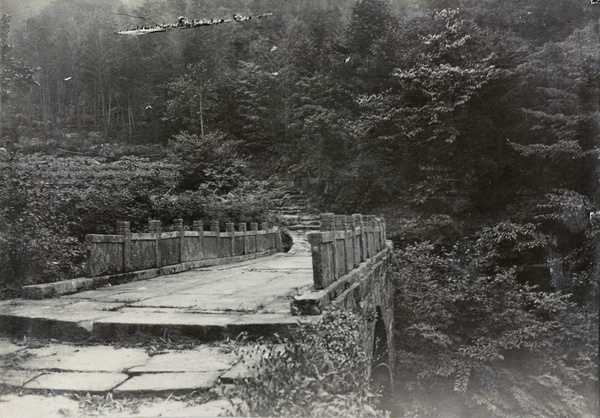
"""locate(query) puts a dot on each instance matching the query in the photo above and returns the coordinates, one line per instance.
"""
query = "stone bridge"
(205, 285)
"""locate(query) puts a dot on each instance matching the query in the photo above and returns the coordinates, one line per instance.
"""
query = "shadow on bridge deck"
(206, 304)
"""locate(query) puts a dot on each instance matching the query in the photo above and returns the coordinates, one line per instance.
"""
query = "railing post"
(244, 229)
(367, 235)
(178, 225)
(383, 233)
(264, 226)
(214, 227)
(316, 246)
(340, 225)
(123, 228)
(379, 234)
(198, 226)
(254, 236)
(278, 240)
(328, 224)
(359, 242)
(376, 227)
(372, 228)
(230, 228)
(155, 228)
(351, 251)
(89, 247)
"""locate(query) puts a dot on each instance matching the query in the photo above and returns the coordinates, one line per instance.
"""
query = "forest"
(472, 126)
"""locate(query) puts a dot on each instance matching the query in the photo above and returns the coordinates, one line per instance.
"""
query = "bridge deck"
(207, 304)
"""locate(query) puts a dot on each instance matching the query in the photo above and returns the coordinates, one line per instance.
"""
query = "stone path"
(100, 341)
(65, 368)
(206, 304)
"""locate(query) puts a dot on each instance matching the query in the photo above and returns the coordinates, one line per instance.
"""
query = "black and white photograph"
(300, 208)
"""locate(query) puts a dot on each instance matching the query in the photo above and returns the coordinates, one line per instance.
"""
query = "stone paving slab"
(18, 378)
(77, 381)
(182, 409)
(65, 367)
(140, 325)
(169, 382)
(56, 406)
(207, 301)
(165, 316)
(202, 359)
(36, 406)
(267, 324)
(59, 309)
(7, 348)
(95, 358)
(245, 370)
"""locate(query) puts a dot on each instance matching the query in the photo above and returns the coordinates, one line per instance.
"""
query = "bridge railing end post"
(230, 228)
(316, 247)
(178, 226)
(243, 228)
(215, 228)
(124, 228)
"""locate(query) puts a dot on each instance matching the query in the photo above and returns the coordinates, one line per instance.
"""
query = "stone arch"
(381, 367)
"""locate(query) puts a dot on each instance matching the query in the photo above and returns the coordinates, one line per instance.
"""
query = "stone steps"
(294, 211)
(125, 371)
(303, 227)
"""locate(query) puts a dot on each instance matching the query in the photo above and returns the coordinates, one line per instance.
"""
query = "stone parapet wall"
(126, 251)
(342, 244)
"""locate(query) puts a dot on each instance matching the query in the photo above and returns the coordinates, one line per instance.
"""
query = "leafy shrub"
(474, 342)
(320, 371)
(209, 162)
(192, 205)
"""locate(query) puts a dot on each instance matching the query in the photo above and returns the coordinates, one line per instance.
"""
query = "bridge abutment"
(351, 258)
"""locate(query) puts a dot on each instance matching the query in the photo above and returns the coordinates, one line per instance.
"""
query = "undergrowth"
(320, 371)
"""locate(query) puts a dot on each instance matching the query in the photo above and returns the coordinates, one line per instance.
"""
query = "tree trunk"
(44, 110)
(130, 118)
(107, 122)
(102, 106)
(201, 117)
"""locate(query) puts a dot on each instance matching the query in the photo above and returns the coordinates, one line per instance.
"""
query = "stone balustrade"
(126, 251)
(342, 244)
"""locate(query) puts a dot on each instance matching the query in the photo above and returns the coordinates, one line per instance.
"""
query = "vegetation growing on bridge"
(320, 371)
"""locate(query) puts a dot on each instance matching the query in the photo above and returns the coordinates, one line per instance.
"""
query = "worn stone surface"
(202, 359)
(66, 287)
(95, 358)
(7, 347)
(242, 370)
(160, 382)
(77, 381)
(182, 409)
(17, 378)
(34, 406)
(197, 303)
